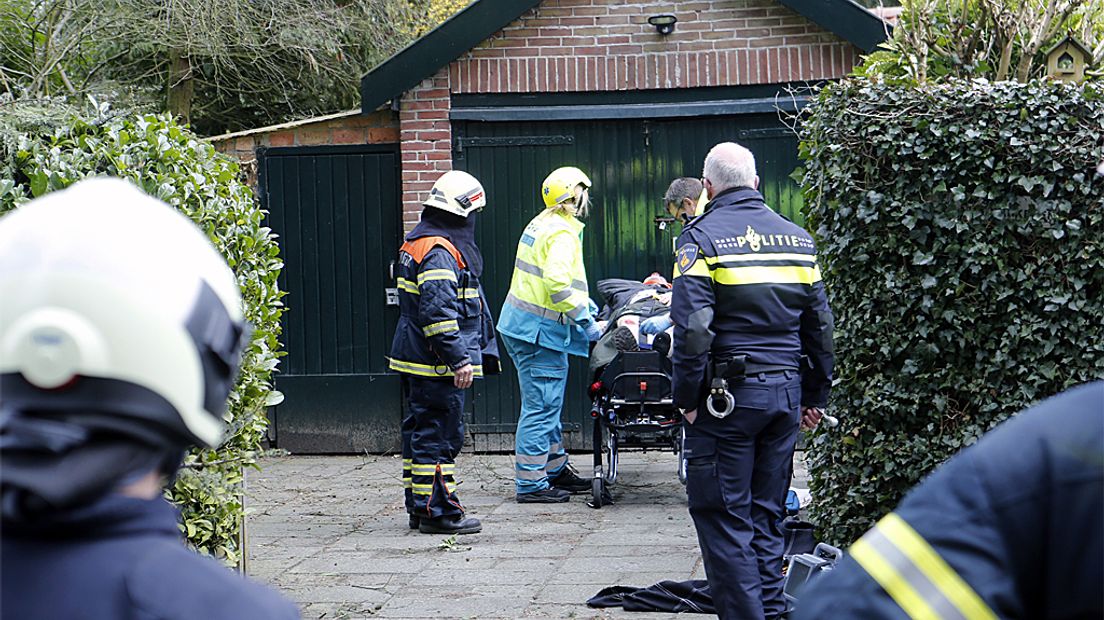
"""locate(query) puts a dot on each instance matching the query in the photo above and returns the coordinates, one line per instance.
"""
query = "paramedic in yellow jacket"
(548, 315)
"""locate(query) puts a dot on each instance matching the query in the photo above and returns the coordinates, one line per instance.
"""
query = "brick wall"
(608, 45)
(380, 127)
(425, 141)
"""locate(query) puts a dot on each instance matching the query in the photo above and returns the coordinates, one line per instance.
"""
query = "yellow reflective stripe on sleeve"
(760, 274)
(408, 286)
(406, 483)
(436, 274)
(914, 574)
(444, 327)
(425, 370)
(469, 293)
(699, 268)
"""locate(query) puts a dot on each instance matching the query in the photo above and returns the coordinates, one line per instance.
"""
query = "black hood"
(460, 231)
(52, 464)
(109, 516)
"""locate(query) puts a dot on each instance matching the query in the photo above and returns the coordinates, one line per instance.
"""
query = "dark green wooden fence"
(631, 163)
(337, 212)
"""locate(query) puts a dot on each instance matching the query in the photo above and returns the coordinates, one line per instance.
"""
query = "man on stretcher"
(637, 316)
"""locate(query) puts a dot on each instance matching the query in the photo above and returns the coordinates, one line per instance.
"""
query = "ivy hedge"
(961, 231)
(47, 148)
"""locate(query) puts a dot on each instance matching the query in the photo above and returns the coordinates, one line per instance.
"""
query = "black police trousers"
(432, 436)
(738, 470)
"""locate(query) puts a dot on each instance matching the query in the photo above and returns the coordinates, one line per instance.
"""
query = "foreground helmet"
(559, 186)
(458, 193)
(116, 313)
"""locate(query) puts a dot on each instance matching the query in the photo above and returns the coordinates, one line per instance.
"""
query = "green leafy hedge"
(171, 163)
(962, 236)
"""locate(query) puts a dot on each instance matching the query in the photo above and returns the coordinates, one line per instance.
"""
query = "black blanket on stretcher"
(618, 295)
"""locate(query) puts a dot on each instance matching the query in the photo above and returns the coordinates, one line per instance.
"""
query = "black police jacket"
(747, 283)
(122, 558)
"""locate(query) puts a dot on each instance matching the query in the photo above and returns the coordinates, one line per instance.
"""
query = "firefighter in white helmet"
(121, 330)
(444, 340)
(548, 315)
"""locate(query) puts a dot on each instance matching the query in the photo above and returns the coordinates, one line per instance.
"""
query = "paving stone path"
(331, 533)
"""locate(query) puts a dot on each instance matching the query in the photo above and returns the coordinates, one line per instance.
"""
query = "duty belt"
(720, 402)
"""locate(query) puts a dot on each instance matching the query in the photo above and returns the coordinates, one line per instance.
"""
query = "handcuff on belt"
(720, 402)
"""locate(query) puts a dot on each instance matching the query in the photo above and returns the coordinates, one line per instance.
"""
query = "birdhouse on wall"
(1068, 60)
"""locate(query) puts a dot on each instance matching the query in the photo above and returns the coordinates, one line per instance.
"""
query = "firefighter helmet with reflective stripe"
(458, 193)
(560, 186)
(118, 314)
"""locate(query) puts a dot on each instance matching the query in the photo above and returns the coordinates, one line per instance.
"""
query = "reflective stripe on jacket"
(444, 321)
(548, 302)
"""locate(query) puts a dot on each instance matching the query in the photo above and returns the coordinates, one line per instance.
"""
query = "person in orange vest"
(444, 340)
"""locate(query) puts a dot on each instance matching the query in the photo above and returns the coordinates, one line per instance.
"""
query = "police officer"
(120, 337)
(548, 315)
(1009, 528)
(682, 202)
(444, 339)
(752, 356)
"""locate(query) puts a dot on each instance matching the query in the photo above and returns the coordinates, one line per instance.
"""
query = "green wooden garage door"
(631, 162)
(336, 211)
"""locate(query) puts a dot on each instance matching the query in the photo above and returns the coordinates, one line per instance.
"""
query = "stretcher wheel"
(596, 493)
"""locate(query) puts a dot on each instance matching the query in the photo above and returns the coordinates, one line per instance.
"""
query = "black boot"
(450, 524)
(624, 340)
(413, 521)
(569, 481)
(551, 495)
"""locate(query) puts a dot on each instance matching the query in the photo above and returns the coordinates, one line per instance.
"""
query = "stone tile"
(331, 533)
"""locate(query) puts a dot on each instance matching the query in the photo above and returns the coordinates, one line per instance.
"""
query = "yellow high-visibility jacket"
(549, 301)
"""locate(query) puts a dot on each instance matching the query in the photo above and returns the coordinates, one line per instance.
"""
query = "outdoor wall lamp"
(664, 24)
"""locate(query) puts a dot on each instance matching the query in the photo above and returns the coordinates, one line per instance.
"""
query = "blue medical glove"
(656, 324)
(593, 307)
(594, 331)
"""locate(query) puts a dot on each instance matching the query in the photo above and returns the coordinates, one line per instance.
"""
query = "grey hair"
(729, 165)
(683, 187)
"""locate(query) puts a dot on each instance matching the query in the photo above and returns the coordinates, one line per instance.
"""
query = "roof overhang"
(444, 44)
(482, 18)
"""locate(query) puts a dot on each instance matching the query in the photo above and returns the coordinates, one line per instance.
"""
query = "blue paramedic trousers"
(432, 436)
(738, 471)
(539, 451)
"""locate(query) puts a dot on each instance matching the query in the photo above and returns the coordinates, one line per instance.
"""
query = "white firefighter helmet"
(116, 304)
(457, 192)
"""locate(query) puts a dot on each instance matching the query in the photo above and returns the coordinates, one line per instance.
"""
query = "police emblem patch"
(686, 256)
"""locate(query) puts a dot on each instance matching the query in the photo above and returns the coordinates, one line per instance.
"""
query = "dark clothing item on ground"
(665, 596)
(1009, 528)
(432, 437)
(747, 290)
(122, 557)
